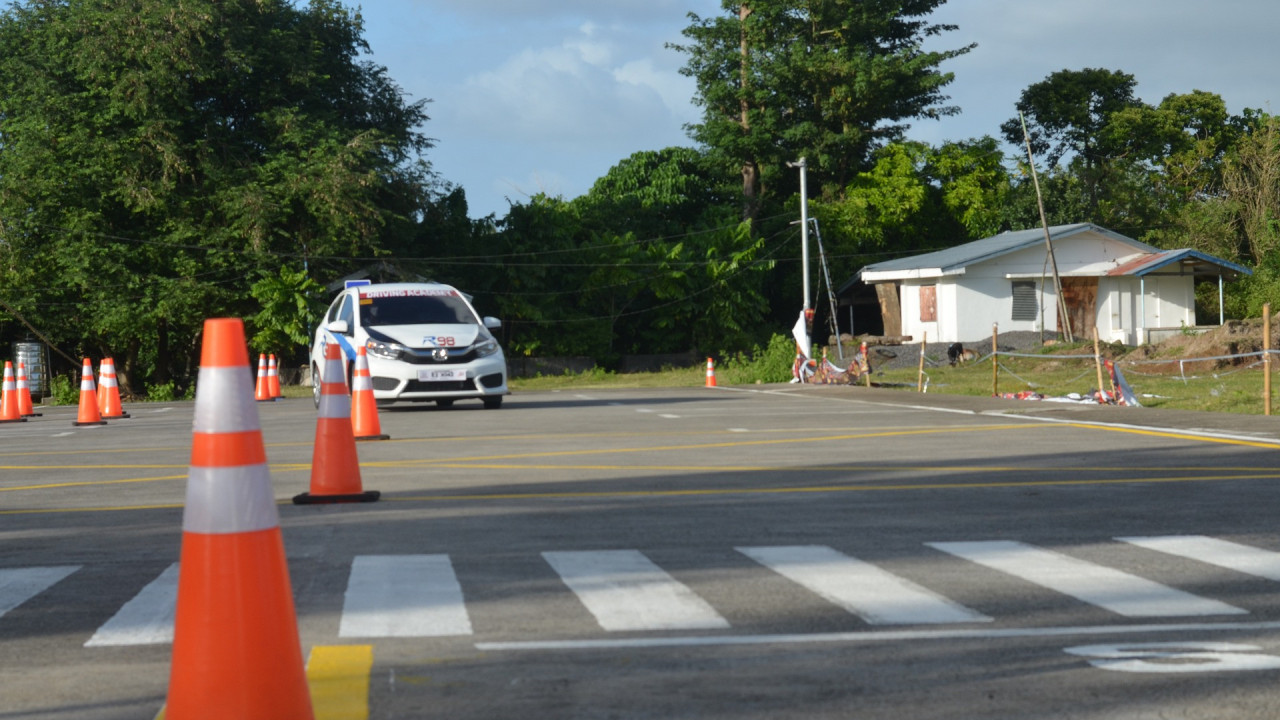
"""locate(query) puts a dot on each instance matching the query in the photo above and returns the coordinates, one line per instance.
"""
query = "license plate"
(441, 374)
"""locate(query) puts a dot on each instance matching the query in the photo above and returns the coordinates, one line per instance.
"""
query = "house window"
(1025, 306)
(928, 303)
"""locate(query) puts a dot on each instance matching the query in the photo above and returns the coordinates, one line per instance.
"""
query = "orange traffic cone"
(25, 408)
(364, 408)
(335, 468)
(109, 392)
(711, 373)
(261, 392)
(236, 652)
(89, 413)
(9, 411)
(273, 377)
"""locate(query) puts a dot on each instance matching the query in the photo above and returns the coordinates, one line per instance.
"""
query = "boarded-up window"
(1025, 306)
(928, 303)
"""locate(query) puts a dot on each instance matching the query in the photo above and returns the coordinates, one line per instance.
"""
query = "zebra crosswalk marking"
(624, 590)
(147, 619)
(1108, 588)
(875, 595)
(403, 596)
(1223, 553)
(18, 585)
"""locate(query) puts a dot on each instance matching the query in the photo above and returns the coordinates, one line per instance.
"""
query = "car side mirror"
(492, 323)
(338, 327)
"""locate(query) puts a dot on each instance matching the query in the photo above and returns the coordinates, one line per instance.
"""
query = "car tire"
(492, 403)
(444, 403)
(315, 384)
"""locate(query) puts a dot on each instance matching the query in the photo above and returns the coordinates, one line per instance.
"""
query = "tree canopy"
(156, 158)
(830, 81)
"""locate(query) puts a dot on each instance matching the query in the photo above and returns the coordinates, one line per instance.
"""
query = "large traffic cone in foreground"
(109, 392)
(711, 373)
(364, 408)
(236, 652)
(89, 413)
(25, 408)
(9, 411)
(273, 376)
(335, 468)
(261, 391)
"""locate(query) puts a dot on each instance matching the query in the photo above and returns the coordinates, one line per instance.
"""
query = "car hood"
(428, 336)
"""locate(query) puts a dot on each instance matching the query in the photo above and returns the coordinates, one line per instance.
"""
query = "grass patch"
(1232, 390)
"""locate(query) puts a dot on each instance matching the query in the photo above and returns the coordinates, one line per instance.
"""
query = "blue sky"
(546, 95)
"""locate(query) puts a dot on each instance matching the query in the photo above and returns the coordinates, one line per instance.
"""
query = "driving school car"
(424, 342)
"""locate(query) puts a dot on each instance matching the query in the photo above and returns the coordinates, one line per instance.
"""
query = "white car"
(424, 342)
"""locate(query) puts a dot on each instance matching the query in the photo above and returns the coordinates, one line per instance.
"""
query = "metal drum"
(35, 358)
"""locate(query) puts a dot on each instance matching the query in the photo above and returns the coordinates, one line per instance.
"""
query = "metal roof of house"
(960, 256)
(1188, 261)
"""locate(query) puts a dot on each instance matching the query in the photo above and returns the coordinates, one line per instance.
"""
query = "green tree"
(156, 157)
(1067, 114)
(828, 80)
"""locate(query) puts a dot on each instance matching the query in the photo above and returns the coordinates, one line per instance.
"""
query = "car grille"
(422, 356)
(413, 386)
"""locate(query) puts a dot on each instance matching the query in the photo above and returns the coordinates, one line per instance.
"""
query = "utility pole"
(804, 231)
(1048, 243)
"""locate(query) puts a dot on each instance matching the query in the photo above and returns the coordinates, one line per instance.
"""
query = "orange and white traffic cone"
(236, 651)
(711, 373)
(25, 407)
(273, 377)
(9, 411)
(335, 468)
(89, 413)
(261, 392)
(364, 408)
(109, 392)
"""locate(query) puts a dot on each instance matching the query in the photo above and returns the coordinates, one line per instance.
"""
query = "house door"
(1080, 295)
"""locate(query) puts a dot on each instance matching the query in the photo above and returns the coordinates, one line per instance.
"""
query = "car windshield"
(414, 307)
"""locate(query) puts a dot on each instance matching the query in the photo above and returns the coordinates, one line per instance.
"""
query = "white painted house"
(1125, 288)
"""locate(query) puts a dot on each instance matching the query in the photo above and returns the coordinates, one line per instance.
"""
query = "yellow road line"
(1179, 436)
(703, 446)
(339, 680)
(338, 676)
(823, 489)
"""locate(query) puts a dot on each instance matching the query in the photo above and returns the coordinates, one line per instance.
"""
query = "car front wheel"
(492, 403)
(315, 385)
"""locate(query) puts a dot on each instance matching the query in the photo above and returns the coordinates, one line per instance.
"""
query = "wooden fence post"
(1097, 360)
(995, 364)
(1266, 358)
(924, 339)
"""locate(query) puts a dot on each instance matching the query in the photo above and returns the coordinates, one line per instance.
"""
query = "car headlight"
(383, 349)
(486, 348)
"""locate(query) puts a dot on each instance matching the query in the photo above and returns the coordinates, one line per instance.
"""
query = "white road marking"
(1110, 589)
(403, 596)
(1176, 657)
(881, 636)
(624, 590)
(18, 585)
(1223, 553)
(147, 619)
(877, 596)
(669, 417)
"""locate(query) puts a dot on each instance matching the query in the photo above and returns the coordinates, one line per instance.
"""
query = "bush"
(62, 391)
(771, 364)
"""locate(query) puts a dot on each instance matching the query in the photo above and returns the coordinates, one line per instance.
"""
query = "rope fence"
(1213, 381)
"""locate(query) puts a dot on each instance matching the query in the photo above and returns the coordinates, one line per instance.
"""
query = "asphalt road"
(764, 552)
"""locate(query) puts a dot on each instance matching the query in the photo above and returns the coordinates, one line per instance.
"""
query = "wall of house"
(968, 304)
(1169, 303)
